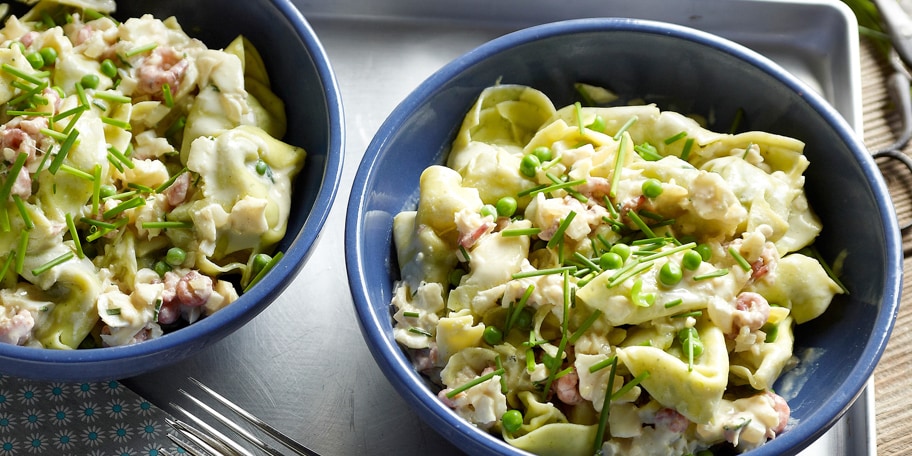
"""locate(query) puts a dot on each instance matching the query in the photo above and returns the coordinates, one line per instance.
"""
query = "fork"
(204, 440)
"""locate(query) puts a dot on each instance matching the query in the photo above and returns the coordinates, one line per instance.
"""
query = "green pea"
(35, 60)
(161, 268)
(260, 261)
(529, 165)
(488, 210)
(261, 167)
(506, 206)
(598, 124)
(623, 250)
(108, 68)
(690, 342)
(543, 153)
(48, 55)
(705, 251)
(652, 188)
(610, 260)
(175, 256)
(107, 190)
(692, 260)
(524, 319)
(17, 44)
(670, 274)
(512, 420)
(493, 335)
(90, 81)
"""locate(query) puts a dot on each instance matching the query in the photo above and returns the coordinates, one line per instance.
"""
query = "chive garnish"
(565, 327)
(420, 331)
(736, 122)
(558, 186)
(673, 303)
(13, 113)
(542, 272)
(627, 272)
(632, 120)
(53, 134)
(7, 263)
(170, 181)
(618, 165)
(411, 314)
(559, 234)
(465, 254)
(606, 408)
(529, 191)
(166, 94)
(578, 110)
(131, 203)
(511, 232)
(23, 211)
(75, 235)
(122, 124)
(673, 138)
(21, 250)
(64, 150)
(50, 264)
(514, 312)
(33, 78)
(115, 162)
(114, 311)
(476, 381)
(602, 364)
(140, 49)
(670, 251)
(121, 157)
(11, 177)
(739, 259)
(113, 97)
(98, 223)
(80, 93)
(140, 187)
(586, 261)
(812, 252)
(711, 275)
(685, 152)
(268, 267)
(68, 113)
(640, 224)
(164, 224)
(503, 379)
(695, 314)
(96, 188)
(585, 326)
(76, 172)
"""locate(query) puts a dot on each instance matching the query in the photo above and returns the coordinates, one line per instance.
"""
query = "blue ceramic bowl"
(681, 69)
(302, 76)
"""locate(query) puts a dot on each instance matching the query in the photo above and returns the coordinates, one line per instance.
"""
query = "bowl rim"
(272, 285)
(400, 372)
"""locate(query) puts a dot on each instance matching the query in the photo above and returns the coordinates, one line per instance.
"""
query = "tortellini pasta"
(614, 279)
(144, 184)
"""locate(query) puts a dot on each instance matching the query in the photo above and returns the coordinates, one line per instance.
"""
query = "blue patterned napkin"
(91, 419)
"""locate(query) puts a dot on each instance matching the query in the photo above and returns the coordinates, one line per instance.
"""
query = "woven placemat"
(893, 402)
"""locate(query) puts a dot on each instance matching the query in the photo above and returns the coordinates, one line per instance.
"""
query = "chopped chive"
(33, 78)
(28, 93)
(122, 124)
(53, 134)
(630, 385)
(530, 360)
(578, 110)
(64, 150)
(43, 162)
(420, 331)
(611, 209)
(739, 259)
(411, 314)
(166, 224)
(115, 162)
(520, 232)
(673, 303)
(711, 275)
(166, 94)
(265, 269)
(21, 251)
(76, 172)
(618, 166)
(606, 408)
(670, 251)
(659, 240)
(695, 314)
(75, 235)
(7, 263)
(747, 150)
(640, 224)
(23, 211)
(736, 122)
(626, 273)
(140, 49)
(602, 364)
(474, 382)
(11, 177)
(503, 378)
(170, 181)
(55, 262)
(542, 272)
(121, 157)
(647, 151)
(532, 190)
(812, 251)
(131, 203)
(13, 113)
(685, 152)
(98, 223)
(68, 113)
(620, 133)
(140, 187)
(114, 311)
(114, 97)
(673, 138)
(560, 186)
(584, 326)
(176, 127)
(464, 253)
(586, 261)
(513, 314)
(559, 234)
(80, 93)
(96, 188)
(123, 195)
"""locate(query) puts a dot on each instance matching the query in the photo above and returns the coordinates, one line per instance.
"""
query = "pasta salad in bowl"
(580, 262)
(149, 179)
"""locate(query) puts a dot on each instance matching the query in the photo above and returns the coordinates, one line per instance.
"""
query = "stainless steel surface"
(302, 364)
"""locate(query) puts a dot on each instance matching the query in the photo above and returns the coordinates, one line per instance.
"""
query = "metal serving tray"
(302, 364)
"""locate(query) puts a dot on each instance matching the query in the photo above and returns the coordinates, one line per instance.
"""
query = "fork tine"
(288, 442)
(197, 448)
(234, 426)
(220, 443)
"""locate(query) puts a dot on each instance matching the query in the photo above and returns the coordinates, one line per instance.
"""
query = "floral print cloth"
(91, 419)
